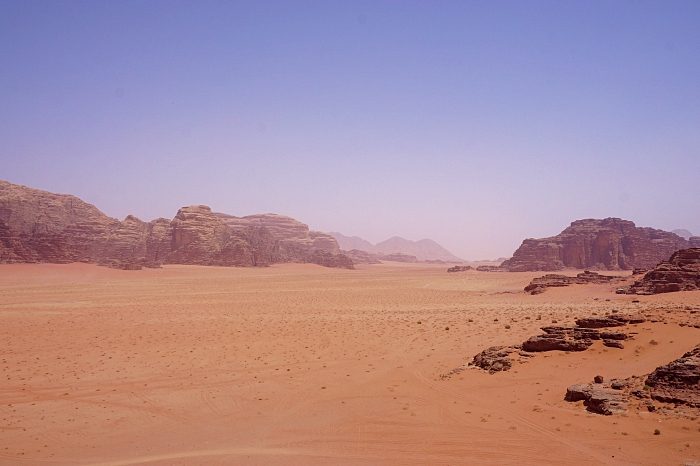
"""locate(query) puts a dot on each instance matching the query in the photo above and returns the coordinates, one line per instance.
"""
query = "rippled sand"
(299, 364)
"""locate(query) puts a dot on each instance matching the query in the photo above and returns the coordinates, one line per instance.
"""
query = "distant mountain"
(683, 233)
(425, 249)
(348, 243)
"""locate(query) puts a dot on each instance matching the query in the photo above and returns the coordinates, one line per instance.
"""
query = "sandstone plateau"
(608, 244)
(39, 226)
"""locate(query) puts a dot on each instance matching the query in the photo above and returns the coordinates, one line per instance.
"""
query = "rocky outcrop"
(694, 242)
(559, 339)
(680, 273)
(459, 268)
(609, 244)
(494, 359)
(607, 321)
(677, 382)
(38, 226)
(489, 268)
(600, 398)
(540, 284)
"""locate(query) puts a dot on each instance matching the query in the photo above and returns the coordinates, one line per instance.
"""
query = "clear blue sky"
(476, 124)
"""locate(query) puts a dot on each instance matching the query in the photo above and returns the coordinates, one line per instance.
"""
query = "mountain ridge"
(424, 249)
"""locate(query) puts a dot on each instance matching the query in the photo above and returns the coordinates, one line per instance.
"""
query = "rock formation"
(609, 244)
(599, 397)
(38, 226)
(694, 242)
(558, 339)
(460, 268)
(678, 381)
(540, 284)
(680, 273)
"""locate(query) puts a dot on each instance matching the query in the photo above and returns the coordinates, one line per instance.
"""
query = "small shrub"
(615, 311)
(507, 327)
(419, 322)
(471, 320)
(447, 328)
(653, 342)
(554, 321)
(657, 432)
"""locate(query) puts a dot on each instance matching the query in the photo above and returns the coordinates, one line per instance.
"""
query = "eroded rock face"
(296, 242)
(38, 226)
(680, 273)
(694, 242)
(540, 284)
(678, 381)
(609, 244)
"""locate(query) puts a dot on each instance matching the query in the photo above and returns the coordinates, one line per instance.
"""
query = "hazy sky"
(476, 124)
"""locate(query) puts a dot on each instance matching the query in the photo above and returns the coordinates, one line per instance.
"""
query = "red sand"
(299, 364)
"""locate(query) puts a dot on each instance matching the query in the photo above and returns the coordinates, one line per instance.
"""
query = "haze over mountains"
(683, 233)
(425, 249)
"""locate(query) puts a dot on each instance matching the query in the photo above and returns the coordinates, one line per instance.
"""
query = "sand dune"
(299, 364)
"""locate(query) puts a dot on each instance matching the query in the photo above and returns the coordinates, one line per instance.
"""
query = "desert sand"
(300, 364)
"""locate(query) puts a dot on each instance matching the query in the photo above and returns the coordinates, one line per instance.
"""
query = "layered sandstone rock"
(38, 226)
(609, 244)
(292, 234)
(694, 242)
(540, 284)
(680, 273)
(678, 381)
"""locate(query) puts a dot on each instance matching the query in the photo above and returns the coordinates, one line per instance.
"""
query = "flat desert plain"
(300, 364)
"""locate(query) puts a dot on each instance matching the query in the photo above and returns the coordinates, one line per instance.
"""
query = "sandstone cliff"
(609, 244)
(38, 226)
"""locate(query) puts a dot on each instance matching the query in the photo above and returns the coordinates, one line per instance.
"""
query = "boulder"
(608, 244)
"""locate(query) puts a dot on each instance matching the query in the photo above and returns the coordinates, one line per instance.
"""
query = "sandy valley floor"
(299, 364)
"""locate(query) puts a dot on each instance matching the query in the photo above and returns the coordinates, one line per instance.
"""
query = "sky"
(476, 124)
